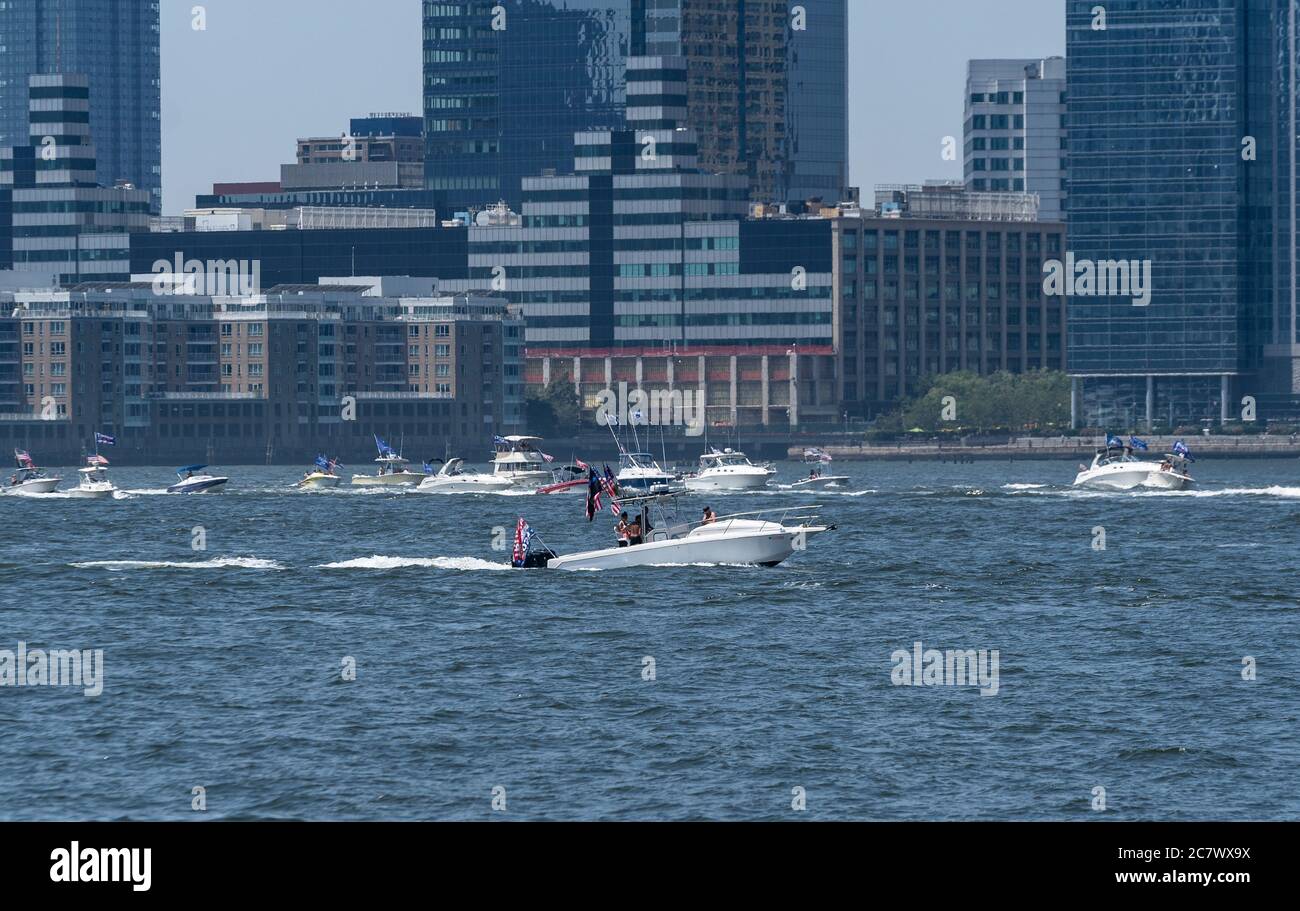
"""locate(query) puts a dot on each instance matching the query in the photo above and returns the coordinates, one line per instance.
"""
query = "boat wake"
(455, 564)
(219, 563)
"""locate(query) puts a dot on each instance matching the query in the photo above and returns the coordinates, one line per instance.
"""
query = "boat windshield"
(637, 460)
(717, 460)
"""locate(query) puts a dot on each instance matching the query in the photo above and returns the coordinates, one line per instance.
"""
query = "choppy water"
(1119, 668)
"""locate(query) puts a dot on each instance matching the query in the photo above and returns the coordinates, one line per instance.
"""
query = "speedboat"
(393, 472)
(1115, 468)
(729, 470)
(748, 539)
(94, 484)
(193, 479)
(453, 478)
(321, 476)
(519, 461)
(28, 479)
(818, 481)
(639, 473)
(1174, 473)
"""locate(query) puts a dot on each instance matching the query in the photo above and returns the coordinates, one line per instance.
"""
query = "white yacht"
(453, 478)
(1115, 468)
(817, 480)
(639, 473)
(393, 472)
(749, 539)
(28, 479)
(194, 479)
(729, 470)
(519, 461)
(94, 484)
(321, 476)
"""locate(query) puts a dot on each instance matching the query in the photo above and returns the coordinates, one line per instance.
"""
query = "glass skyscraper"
(114, 43)
(1181, 134)
(505, 92)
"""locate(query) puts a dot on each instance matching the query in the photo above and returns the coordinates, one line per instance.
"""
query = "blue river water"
(1162, 669)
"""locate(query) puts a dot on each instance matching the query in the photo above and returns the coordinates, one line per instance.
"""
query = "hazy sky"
(237, 95)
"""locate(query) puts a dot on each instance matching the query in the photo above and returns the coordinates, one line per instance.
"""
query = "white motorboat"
(519, 461)
(818, 481)
(194, 479)
(322, 475)
(453, 478)
(94, 484)
(393, 472)
(1174, 473)
(729, 471)
(28, 479)
(1115, 468)
(747, 539)
(639, 473)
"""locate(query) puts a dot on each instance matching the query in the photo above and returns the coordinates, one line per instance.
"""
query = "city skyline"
(265, 108)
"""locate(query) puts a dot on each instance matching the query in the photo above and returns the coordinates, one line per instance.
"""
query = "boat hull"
(761, 548)
(1169, 480)
(38, 486)
(207, 485)
(322, 482)
(566, 487)
(388, 480)
(820, 483)
(1124, 477)
(487, 485)
(728, 482)
(98, 492)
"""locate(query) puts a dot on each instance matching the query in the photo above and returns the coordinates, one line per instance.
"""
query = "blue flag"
(384, 449)
(1114, 443)
(1181, 450)
(1138, 444)
(103, 439)
(322, 463)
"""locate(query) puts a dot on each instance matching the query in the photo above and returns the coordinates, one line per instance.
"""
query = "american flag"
(23, 458)
(611, 488)
(523, 543)
(97, 461)
(549, 459)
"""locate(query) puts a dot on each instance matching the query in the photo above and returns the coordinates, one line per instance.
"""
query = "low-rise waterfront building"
(271, 376)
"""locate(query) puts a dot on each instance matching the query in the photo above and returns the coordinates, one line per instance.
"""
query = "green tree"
(553, 409)
(966, 402)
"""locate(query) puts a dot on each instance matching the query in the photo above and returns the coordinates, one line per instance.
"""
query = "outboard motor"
(538, 558)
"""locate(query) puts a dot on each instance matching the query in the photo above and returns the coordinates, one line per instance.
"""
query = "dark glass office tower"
(1181, 122)
(114, 43)
(766, 88)
(817, 112)
(504, 95)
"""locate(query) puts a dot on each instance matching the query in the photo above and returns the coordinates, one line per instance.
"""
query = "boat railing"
(803, 514)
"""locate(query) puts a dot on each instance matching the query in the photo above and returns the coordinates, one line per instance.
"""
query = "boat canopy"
(189, 468)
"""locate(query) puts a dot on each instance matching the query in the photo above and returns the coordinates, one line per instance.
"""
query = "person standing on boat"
(622, 530)
(634, 538)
